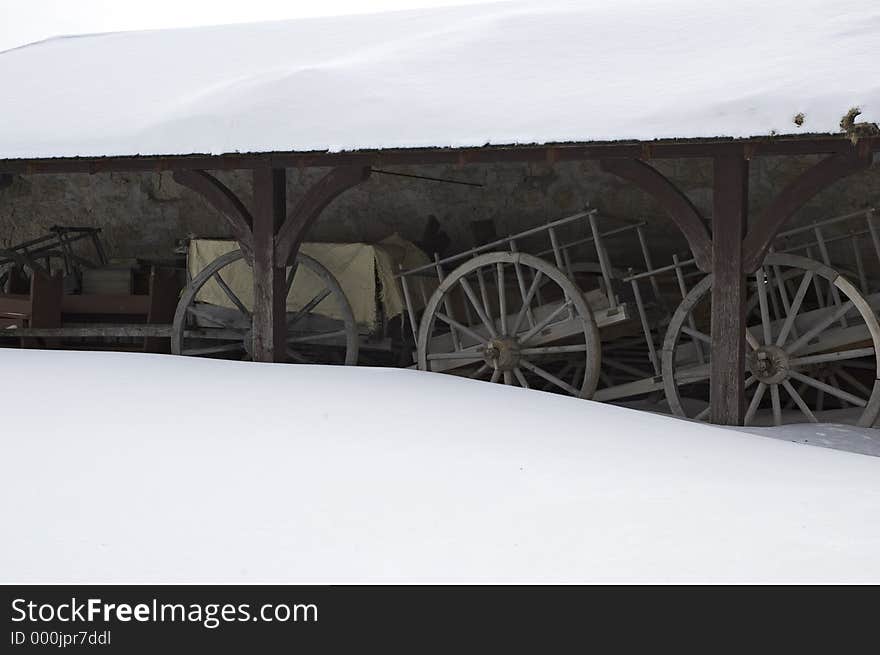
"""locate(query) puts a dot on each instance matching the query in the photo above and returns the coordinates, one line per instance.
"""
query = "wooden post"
(270, 291)
(729, 223)
(45, 312)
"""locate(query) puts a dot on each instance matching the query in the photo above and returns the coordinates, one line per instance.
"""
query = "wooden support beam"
(729, 221)
(794, 196)
(221, 198)
(45, 312)
(679, 207)
(270, 290)
(307, 210)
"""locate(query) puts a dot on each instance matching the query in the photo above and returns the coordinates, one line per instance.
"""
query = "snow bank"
(519, 72)
(142, 468)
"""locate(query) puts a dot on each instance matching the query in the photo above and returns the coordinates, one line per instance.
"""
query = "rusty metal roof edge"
(800, 144)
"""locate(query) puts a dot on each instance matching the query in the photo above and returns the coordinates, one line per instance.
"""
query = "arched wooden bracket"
(793, 197)
(309, 207)
(219, 196)
(682, 211)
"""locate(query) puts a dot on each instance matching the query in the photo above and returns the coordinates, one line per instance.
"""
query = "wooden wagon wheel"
(16, 261)
(210, 330)
(505, 335)
(813, 353)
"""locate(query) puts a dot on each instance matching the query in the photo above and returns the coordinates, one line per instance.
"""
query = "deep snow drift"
(518, 72)
(141, 468)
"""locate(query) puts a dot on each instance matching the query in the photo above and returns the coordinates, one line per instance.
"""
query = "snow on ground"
(837, 428)
(513, 72)
(839, 436)
(142, 468)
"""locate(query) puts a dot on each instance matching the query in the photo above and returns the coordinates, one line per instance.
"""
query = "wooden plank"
(726, 393)
(270, 284)
(91, 330)
(105, 304)
(15, 305)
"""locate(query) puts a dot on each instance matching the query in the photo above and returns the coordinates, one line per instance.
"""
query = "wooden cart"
(56, 295)
(517, 318)
(341, 299)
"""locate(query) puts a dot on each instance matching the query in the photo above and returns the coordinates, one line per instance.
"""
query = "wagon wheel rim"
(783, 355)
(502, 335)
(20, 260)
(231, 332)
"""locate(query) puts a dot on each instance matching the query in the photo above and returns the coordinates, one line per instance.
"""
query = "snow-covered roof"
(154, 468)
(505, 73)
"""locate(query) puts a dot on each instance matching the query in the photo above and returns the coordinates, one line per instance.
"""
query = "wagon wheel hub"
(502, 354)
(769, 364)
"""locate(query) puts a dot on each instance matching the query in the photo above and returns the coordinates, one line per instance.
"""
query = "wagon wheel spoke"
(561, 374)
(799, 401)
(508, 378)
(554, 350)
(297, 316)
(834, 383)
(827, 388)
(229, 319)
(820, 327)
(480, 371)
(840, 355)
(760, 278)
(854, 382)
(527, 302)
(215, 350)
(456, 354)
(696, 334)
(777, 407)
(752, 341)
(795, 308)
(521, 378)
(321, 336)
(484, 295)
(502, 296)
(230, 294)
(537, 370)
(753, 406)
(545, 322)
(459, 326)
(496, 375)
(298, 357)
(478, 306)
(781, 289)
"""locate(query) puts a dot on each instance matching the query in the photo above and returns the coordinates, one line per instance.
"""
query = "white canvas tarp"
(364, 271)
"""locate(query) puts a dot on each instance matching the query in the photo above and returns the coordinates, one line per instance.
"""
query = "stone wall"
(144, 214)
